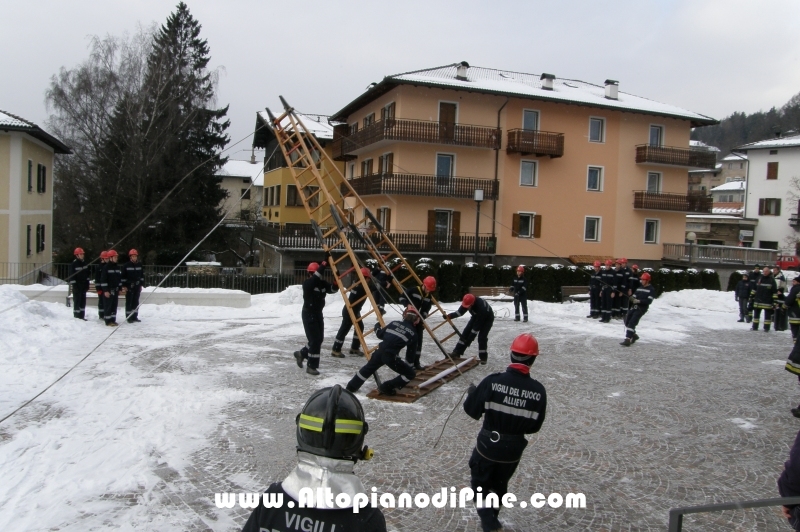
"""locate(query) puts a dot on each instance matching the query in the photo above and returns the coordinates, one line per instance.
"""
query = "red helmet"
(104, 254)
(597, 264)
(521, 268)
(645, 276)
(526, 345)
(468, 301)
(411, 311)
(429, 283)
(623, 260)
(365, 272)
(133, 252)
(618, 261)
(635, 267)
(78, 251)
(609, 262)
(312, 267)
(111, 253)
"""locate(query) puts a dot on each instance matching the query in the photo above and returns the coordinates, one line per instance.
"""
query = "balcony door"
(656, 136)
(530, 120)
(444, 172)
(653, 182)
(444, 230)
(447, 121)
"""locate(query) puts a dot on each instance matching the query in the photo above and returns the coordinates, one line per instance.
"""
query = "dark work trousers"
(595, 302)
(413, 355)
(632, 320)
(110, 306)
(749, 316)
(344, 330)
(473, 329)
(79, 303)
(132, 303)
(101, 305)
(379, 359)
(757, 317)
(606, 299)
(520, 299)
(624, 303)
(491, 477)
(314, 327)
(742, 308)
(781, 319)
(615, 303)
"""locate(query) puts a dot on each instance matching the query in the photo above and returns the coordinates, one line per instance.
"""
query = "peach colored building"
(566, 167)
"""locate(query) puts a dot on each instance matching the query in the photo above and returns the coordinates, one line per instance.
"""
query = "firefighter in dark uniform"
(742, 294)
(382, 282)
(98, 273)
(641, 300)
(764, 297)
(133, 281)
(755, 275)
(519, 288)
(780, 321)
(315, 288)
(607, 279)
(111, 284)
(623, 287)
(357, 298)
(633, 280)
(330, 441)
(479, 324)
(512, 404)
(595, 289)
(79, 283)
(616, 292)
(792, 303)
(421, 300)
(395, 337)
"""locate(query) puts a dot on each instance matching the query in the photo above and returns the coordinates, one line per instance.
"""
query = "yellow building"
(26, 194)
(565, 167)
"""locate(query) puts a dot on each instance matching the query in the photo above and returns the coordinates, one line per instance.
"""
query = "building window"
(246, 181)
(591, 229)
(352, 170)
(385, 218)
(41, 179)
(353, 128)
(651, 231)
(386, 163)
(369, 119)
(530, 120)
(771, 152)
(245, 193)
(39, 238)
(767, 244)
(309, 192)
(387, 111)
(366, 167)
(594, 178)
(527, 174)
(277, 199)
(28, 241)
(769, 207)
(654, 182)
(292, 199)
(526, 225)
(597, 127)
(656, 136)
(772, 170)
(30, 176)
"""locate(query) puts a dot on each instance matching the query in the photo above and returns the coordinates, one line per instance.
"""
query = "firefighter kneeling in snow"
(330, 435)
(641, 300)
(396, 336)
(419, 298)
(512, 404)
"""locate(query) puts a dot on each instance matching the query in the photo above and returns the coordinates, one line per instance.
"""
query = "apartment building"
(27, 153)
(732, 167)
(563, 167)
(244, 183)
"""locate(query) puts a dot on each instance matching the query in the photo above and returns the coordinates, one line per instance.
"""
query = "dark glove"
(471, 388)
(424, 315)
(382, 311)
(452, 315)
(376, 327)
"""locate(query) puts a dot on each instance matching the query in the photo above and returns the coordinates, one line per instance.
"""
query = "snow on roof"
(701, 144)
(778, 142)
(735, 157)
(12, 122)
(7, 119)
(731, 185)
(317, 124)
(244, 169)
(734, 212)
(490, 80)
(716, 216)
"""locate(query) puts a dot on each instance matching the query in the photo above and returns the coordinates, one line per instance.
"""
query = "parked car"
(788, 262)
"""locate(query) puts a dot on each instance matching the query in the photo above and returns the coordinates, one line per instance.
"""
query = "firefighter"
(793, 307)
(79, 283)
(133, 281)
(624, 287)
(357, 298)
(764, 297)
(98, 273)
(479, 324)
(395, 337)
(607, 278)
(315, 288)
(755, 275)
(616, 290)
(421, 300)
(633, 280)
(595, 289)
(781, 323)
(330, 441)
(742, 294)
(382, 282)
(512, 404)
(519, 288)
(111, 284)
(641, 300)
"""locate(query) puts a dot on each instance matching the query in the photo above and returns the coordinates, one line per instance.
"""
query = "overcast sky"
(712, 57)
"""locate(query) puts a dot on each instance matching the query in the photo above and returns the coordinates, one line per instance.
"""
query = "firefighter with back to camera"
(315, 288)
(419, 298)
(357, 298)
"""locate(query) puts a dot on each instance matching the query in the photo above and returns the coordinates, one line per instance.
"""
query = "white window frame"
(532, 228)
(382, 210)
(439, 108)
(382, 161)
(538, 119)
(600, 180)
(598, 228)
(658, 230)
(535, 173)
(602, 129)
(436, 161)
(352, 170)
(663, 133)
(660, 182)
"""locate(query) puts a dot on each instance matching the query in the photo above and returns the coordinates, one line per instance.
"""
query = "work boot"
(626, 342)
(766, 328)
(796, 411)
(740, 320)
(516, 318)
(635, 337)
(525, 319)
(311, 371)
(748, 319)
(590, 316)
(298, 356)
(386, 390)
(337, 354)
(112, 324)
(356, 352)
(418, 366)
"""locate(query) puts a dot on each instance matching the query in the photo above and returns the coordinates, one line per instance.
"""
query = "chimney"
(461, 72)
(612, 88)
(547, 81)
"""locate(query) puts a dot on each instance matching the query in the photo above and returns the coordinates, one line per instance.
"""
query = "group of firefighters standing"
(111, 280)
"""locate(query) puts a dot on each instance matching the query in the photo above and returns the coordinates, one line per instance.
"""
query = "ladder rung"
(439, 325)
(446, 338)
(294, 148)
(406, 279)
(340, 259)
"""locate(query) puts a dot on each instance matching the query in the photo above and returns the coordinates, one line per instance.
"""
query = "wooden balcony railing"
(416, 131)
(693, 158)
(423, 185)
(719, 254)
(538, 143)
(301, 236)
(672, 202)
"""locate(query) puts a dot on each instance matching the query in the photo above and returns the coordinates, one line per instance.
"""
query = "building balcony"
(539, 143)
(672, 156)
(657, 201)
(794, 220)
(399, 129)
(423, 185)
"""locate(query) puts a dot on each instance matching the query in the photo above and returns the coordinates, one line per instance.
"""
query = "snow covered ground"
(199, 400)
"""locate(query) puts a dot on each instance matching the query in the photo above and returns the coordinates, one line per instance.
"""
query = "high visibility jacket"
(645, 295)
(608, 278)
(766, 292)
(792, 303)
(480, 310)
(595, 278)
(356, 294)
(634, 282)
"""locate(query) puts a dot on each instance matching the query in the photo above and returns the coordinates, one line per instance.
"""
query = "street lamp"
(478, 200)
(691, 236)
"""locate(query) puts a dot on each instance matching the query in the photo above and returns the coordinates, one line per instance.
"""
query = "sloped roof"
(735, 157)
(244, 169)
(10, 122)
(317, 124)
(729, 186)
(778, 142)
(703, 145)
(507, 83)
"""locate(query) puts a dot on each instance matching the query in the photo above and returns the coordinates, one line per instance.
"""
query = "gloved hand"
(376, 327)
(635, 301)
(382, 311)
(424, 315)
(452, 315)
(471, 388)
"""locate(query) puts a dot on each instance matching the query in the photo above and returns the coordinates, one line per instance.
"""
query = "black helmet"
(332, 424)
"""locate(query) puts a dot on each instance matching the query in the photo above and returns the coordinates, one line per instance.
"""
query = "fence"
(676, 514)
(25, 273)
(719, 254)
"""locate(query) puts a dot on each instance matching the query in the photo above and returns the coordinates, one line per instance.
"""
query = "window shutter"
(390, 110)
(515, 224)
(431, 228)
(455, 230)
(388, 227)
(537, 226)
(44, 180)
(28, 240)
(43, 237)
(38, 238)
(777, 206)
(761, 203)
(389, 163)
(383, 114)
(772, 170)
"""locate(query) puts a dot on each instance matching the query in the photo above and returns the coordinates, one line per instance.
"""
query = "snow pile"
(293, 295)
(700, 300)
